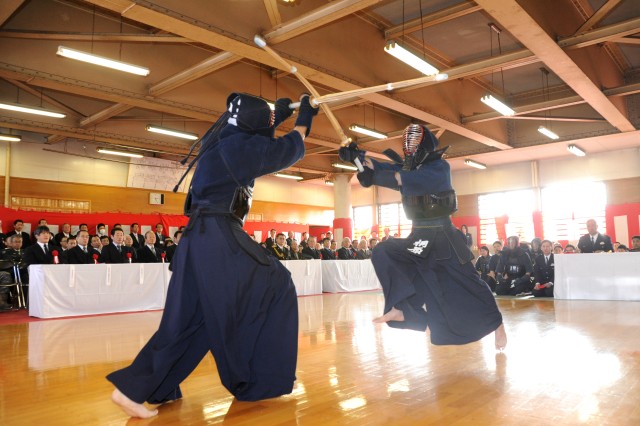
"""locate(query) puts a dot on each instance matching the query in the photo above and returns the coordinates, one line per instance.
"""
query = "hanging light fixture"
(344, 166)
(576, 150)
(119, 153)
(410, 58)
(31, 110)
(288, 176)
(548, 133)
(10, 138)
(328, 182)
(172, 132)
(489, 99)
(101, 61)
(475, 164)
(545, 92)
(367, 131)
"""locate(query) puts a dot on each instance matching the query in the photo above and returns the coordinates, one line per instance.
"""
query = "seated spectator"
(128, 241)
(495, 259)
(635, 243)
(40, 252)
(363, 251)
(96, 243)
(346, 252)
(482, 266)
(334, 247)
(373, 242)
(149, 253)
(593, 241)
(105, 241)
(311, 252)
(171, 250)
(514, 270)
(64, 243)
(101, 229)
(82, 253)
(325, 252)
(280, 250)
(557, 249)
(536, 248)
(168, 242)
(72, 242)
(294, 251)
(622, 249)
(116, 252)
(543, 272)
(615, 245)
(569, 249)
(12, 255)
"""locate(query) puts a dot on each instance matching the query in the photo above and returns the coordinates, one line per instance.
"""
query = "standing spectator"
(303, 240)
(65, 233)
(138, 239)
(635, 243)
(467, 235)
(171, 250)
(279, 249)
(593, 241)
(346, 252)
(325, 252)
(101, 229)
(40, 252)
(289, 238)
(149, 253)
(116, 252)
(159, 236)
(83, 227)
(271, 240)
(310, 252)
(386, 234)
(543, 272)
(18, 225)
(482, 266)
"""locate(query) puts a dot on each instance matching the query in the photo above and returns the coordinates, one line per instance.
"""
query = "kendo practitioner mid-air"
(226, 294)
(428, 279)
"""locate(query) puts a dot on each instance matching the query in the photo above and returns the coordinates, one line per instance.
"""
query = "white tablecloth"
(348, 275)
(597, 276)
(72, 290)
(306, 275)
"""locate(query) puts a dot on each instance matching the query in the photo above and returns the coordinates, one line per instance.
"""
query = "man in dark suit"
(66, 232)
(279, 249)
(310, 252)
(40, 252)
(149, 253)
(138, 239)
(269, 242)
(18, 224)
(594, 242)
(635, 243)
(543, 272)
(116, 252)
(159, 235)
(346, 252)
(325, 252)
(82, 253)
(171, 250)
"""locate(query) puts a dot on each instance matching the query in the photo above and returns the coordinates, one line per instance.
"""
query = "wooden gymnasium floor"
(567, 362)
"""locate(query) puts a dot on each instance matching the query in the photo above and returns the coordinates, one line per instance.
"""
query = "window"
(362, 220)
(392, 216)
(516, 206)
(566, 209)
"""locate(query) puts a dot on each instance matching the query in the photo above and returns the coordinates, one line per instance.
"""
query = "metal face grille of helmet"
(412, 137)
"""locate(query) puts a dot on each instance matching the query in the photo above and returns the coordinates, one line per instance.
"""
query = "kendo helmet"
(250, 113)
(417, 143)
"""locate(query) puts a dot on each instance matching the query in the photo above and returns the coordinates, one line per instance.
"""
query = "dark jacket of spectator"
(35, 255)
(309, 253)
(346, 253)
(76, 256)
(603, 243)
(110, 254)
(145, 255)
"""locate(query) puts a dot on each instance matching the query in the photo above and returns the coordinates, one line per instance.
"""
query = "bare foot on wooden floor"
(393, 315)
(130, 407)
(501, 338)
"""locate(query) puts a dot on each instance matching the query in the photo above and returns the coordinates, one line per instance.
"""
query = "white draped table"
(306, 275)
(597, 276)
(348, 275)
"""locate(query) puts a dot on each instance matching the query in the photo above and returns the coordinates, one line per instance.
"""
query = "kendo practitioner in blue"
(431, 267)
(227, 295)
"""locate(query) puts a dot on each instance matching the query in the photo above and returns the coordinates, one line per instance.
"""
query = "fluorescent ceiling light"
(344, 166)
(367, 131)
(328, 182)
(575, 150)
(475, 164)
(101, 61)
(288, 176)
(497, 105)
(10, 138)
(31, 110)
(548, 133)
(410, 58)
(120, 153)
(171, 132)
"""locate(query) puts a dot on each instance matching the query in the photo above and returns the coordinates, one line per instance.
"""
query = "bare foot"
(501, 338)
(130, 407)
(393, 315)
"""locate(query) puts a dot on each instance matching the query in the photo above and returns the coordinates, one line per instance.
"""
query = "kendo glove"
(282, 111)
(305, 114)
(350, 153)
(366, 177)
